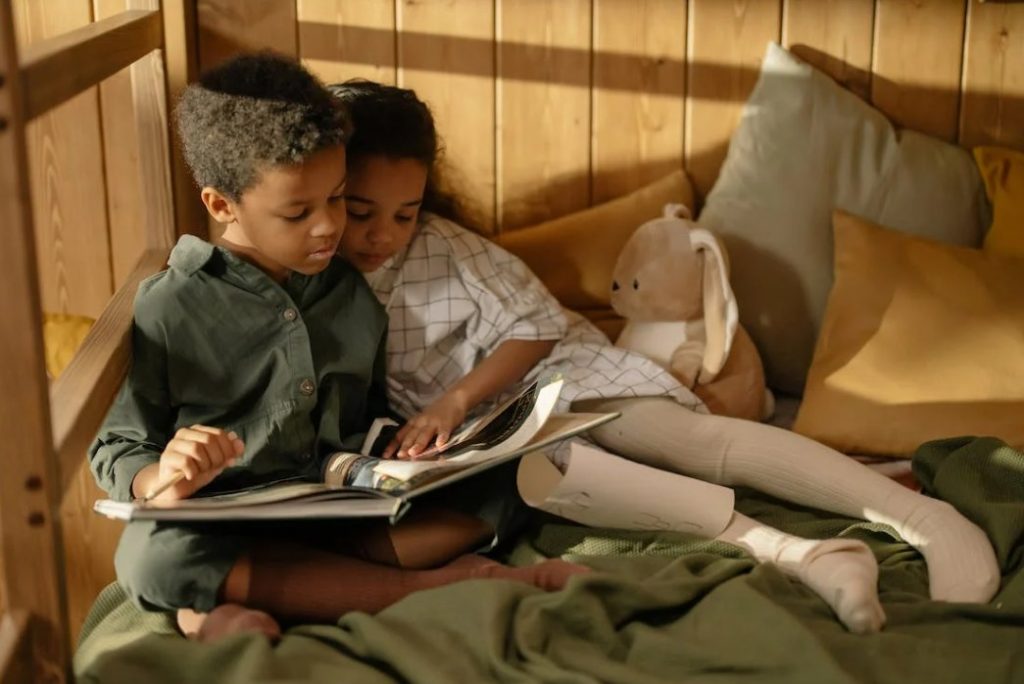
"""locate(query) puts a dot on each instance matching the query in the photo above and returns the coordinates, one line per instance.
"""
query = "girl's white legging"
(659, 432)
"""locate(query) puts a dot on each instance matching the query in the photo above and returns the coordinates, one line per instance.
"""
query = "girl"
(469, 323)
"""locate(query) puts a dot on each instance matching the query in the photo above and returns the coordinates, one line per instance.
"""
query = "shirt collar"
(190, 254)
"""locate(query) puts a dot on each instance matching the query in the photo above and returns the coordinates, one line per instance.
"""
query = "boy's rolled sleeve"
(138, 425)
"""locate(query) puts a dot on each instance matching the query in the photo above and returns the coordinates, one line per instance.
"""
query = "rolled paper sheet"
(603, 490)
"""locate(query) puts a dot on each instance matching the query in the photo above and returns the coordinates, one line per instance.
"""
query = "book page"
(558, 427)
(603, 490)
(523, 418)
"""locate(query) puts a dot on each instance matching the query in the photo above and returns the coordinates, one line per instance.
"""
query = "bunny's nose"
(615, 285)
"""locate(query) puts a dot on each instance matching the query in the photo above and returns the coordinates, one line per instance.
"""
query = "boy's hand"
(201, 453)
(434, 425)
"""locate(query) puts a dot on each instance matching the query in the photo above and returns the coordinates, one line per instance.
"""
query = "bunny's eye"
(636, 285)
(615, 285)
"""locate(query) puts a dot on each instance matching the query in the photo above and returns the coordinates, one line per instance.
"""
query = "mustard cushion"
(575, 255)
(1003, 173)
(62, 336)
(921, 340)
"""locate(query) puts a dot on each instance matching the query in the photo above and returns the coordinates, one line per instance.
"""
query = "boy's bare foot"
(549, 575)
(225, 620)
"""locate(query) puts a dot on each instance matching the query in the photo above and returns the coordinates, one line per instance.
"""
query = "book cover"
(363, 485)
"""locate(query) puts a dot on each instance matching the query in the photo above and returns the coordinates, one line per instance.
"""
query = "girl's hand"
(201, 453)
(434, 425)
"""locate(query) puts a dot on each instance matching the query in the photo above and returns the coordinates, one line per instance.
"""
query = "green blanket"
(667, 608)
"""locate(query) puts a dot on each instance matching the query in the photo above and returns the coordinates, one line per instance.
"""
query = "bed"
(660, 607)
(631, 83)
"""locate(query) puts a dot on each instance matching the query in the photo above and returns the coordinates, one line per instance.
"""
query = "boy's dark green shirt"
(296, 370)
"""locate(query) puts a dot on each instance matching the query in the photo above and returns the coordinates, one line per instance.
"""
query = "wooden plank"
(68, 189)
(80, 398)
(992, 102)
(834, 36)
(57, 69)
(136, 154)
(637, 136)
(726, 42)
(543, 155)
(82, 395)
(343, 39)
(89, 542)
(181, 67)
(15, 651)
(149, 99)
(126, 195)
(916, 63)
(430, 49)
(33, 570)
(227, 27)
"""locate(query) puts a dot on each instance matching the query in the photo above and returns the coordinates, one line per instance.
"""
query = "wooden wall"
(547, 106)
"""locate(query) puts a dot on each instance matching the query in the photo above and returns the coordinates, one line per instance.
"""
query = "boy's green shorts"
(167, 566)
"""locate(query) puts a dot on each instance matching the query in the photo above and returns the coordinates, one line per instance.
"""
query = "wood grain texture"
(89, 542)
(83, 393)
(15, 647)
(544, 67)
(80, 398)
(343, 39)
(834, 36)
(430, 49)
(726, 42)
(992, 104)
(58, 68)
(227, 27)
(29, 489)
(125, 192)
(67, 180)
(916, 63)
(181, 66)
(637, 136)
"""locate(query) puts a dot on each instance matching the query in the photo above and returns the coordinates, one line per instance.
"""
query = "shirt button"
(290, 314)
(307, 387)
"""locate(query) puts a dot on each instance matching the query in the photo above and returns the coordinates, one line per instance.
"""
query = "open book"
(363, 485)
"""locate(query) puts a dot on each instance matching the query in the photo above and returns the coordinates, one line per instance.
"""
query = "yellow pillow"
(575, 255)
(1003, 173)
(921, 340)
(62, 335)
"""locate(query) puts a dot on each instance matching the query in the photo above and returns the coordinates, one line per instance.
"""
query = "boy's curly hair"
(252, 112)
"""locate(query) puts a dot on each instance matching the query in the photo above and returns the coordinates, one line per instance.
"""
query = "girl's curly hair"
(394, 123)
(252, 112)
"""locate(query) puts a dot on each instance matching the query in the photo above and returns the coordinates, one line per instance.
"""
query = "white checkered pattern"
(453, 297)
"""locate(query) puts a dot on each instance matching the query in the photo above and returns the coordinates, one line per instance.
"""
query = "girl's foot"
(844, 572)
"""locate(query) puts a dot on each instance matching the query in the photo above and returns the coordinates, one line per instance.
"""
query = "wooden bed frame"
(49, 428)
(947, 67)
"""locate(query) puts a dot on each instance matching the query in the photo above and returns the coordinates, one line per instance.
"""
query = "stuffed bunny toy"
(671, 284)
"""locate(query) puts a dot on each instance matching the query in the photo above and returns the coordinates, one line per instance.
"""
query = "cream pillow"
(921, 341)
(806, 146)
(575, 255)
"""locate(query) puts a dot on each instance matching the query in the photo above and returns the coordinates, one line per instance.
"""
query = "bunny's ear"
(672, 210)
(721, 314)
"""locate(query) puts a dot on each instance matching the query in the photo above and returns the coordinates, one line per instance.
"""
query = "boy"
(255, 357)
